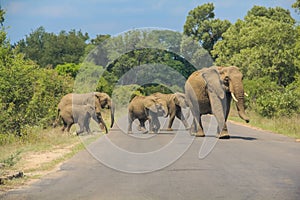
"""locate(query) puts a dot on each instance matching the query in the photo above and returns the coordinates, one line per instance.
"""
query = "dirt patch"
(37, 160)
(35, 165)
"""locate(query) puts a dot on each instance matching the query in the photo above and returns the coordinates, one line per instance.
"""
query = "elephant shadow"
(242, 138)
(235, 137)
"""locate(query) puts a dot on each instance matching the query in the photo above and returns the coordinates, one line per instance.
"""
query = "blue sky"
(116, 16)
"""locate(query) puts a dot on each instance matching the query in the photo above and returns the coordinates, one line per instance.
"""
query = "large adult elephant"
(101, 100)
(146, 108)
(175, 102)
(209, 91)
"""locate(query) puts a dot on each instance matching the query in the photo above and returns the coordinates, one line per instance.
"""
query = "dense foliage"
(28, 94)
(38, 70)
(49, 49)
(265, 45)
(202, 26)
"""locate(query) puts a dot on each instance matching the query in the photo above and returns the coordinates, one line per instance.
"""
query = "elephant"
(146, 108)
(80, 114)
(99, 99)
(175, 102)
(209, 91)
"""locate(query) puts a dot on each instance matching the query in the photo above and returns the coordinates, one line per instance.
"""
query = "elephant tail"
(112, 115)
(57, 118)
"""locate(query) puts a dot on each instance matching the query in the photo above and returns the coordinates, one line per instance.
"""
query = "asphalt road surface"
(252, 164)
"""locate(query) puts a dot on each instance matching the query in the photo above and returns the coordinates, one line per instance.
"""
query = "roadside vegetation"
(38, 70)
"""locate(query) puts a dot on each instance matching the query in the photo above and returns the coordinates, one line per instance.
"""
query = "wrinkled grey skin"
(100, 100)
(80, 114)
(205, 95)
(175, 102)
(208, 91)
(146, 108)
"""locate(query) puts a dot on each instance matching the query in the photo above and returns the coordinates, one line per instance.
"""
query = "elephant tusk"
(246, 94)
(234, 97)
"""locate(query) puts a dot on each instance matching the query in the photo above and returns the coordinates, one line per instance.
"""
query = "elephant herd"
(207, 91)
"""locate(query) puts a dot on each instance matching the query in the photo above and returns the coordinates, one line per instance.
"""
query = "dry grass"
(35, 154)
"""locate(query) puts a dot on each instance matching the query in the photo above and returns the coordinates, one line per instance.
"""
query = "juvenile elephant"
(80, 114)
(175, 102)
(100, 100)
(146, 108)
(209, 91)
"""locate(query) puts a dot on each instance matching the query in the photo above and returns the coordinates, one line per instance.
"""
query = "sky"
(116, 16)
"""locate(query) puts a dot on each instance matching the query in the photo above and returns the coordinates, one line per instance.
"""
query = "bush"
(28, 95)
(271, 100)
(68, 69)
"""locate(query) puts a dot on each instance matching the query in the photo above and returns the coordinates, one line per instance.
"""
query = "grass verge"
(289, 126)
(35, 156)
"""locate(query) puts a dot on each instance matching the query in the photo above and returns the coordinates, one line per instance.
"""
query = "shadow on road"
(243, 138)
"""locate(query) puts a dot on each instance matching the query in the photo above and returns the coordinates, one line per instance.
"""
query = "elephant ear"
(175, 99)
(102, 98)
(180, 100)
(213, 81)
(150, 104)
(216, 95)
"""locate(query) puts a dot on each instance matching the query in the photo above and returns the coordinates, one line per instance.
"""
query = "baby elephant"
(146, 108)
(175, 103)
(80, 114)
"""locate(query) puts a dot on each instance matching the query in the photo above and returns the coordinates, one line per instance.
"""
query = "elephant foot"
(224, 135)
(139, 128)
(143, 130)
(198, 134)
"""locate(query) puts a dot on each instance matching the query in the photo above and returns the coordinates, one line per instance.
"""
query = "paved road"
(253, 164)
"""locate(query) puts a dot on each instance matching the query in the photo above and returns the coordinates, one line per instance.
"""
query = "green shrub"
(68, 69)
(270, 100)
(28, 95)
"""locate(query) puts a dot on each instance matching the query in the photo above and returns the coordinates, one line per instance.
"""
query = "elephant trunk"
(238, 96)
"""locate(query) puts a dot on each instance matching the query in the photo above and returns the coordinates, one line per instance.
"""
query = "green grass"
(289, 126)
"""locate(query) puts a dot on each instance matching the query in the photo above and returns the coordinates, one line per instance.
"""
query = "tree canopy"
(203, 27)
(49, 49)
(261, 45)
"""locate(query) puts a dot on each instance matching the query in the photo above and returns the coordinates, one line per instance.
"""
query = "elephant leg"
(87, 126)
(150, 125)
(130, 120)
(69, 127)
(81, 122)
(142, 127)
(156, 125)
(224, 134)
(171, 120)
(197, 129)
(81, 128)
(64, 125)
(180, 116)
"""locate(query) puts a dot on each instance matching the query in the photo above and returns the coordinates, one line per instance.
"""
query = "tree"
(28, 94)
(49, 49)
(296, 5)
(201, 25)
(261, 45)
(68, 69)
